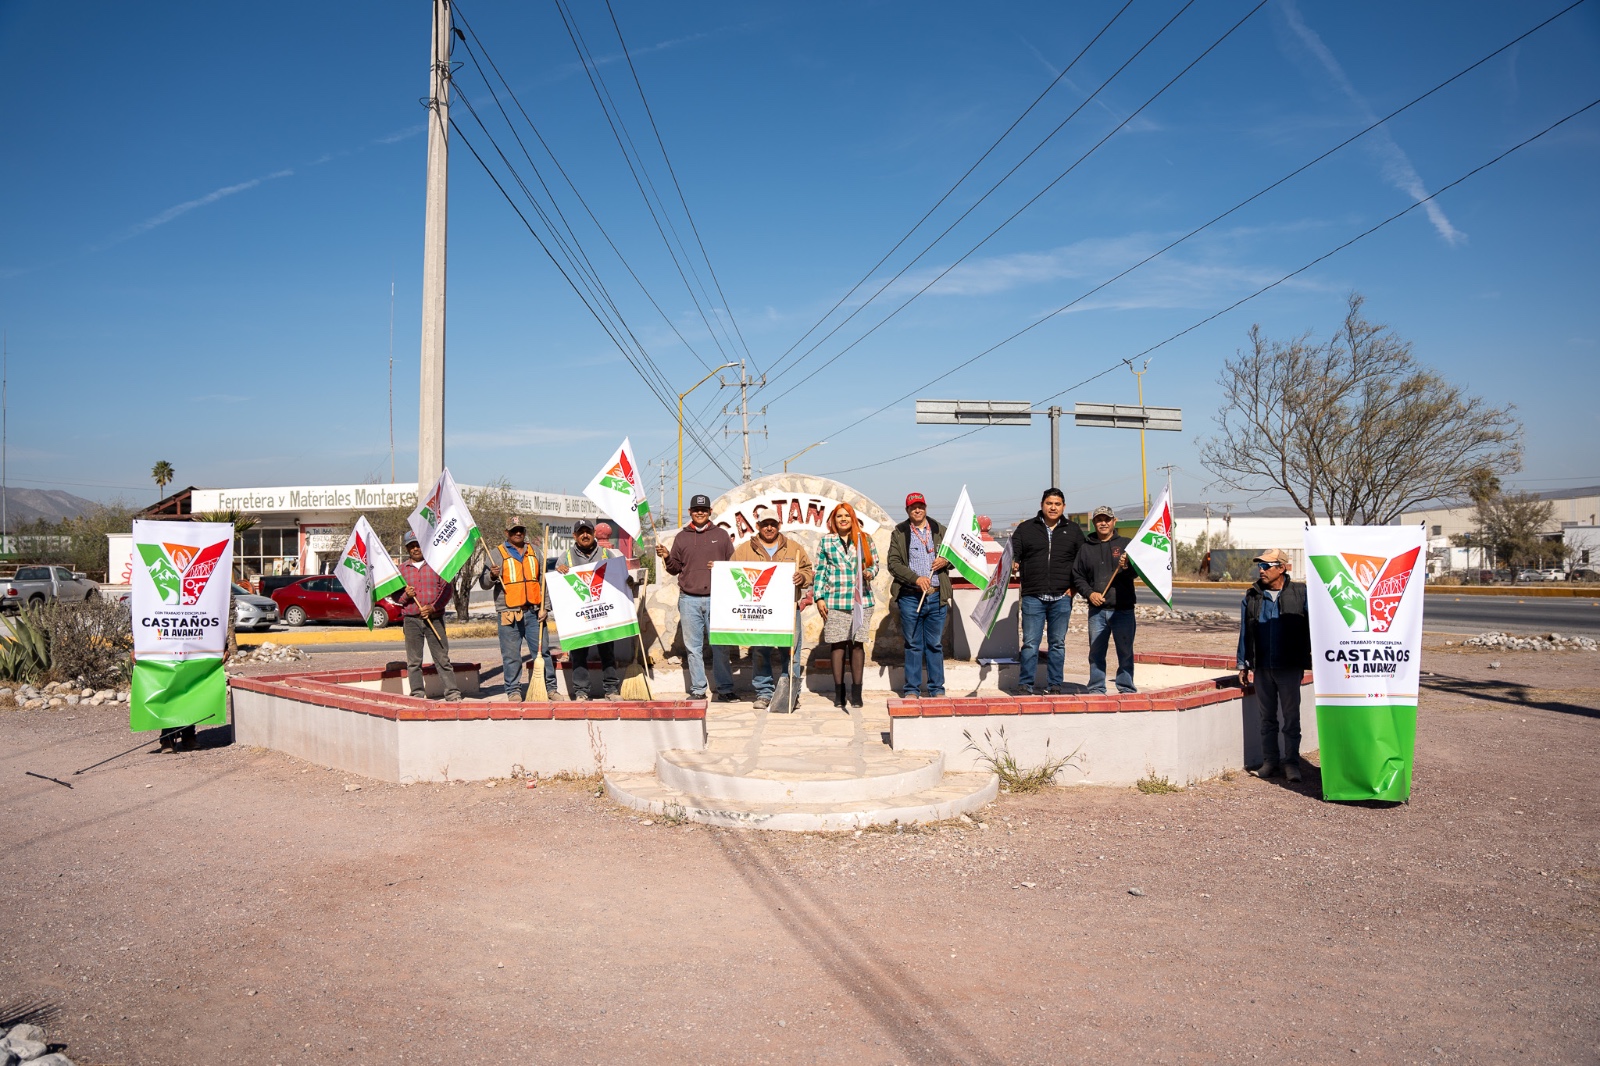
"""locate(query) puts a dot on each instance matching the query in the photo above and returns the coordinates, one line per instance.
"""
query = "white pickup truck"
(32, 586)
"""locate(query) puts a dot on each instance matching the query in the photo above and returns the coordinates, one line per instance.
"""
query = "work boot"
(513, 695)
(1265, 770)
(763, 702)
(1292, 772)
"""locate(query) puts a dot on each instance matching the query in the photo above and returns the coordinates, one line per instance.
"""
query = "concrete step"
(954, 794)
(802, 770)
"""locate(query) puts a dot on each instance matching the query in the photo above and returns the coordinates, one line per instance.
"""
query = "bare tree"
(1355, 429)
(1511, 526)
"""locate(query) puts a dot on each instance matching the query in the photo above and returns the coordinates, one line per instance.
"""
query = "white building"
(302, 525)
(1571, 510)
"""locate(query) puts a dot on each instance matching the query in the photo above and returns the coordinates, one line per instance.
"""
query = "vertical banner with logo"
(1150, 550)
(1364, 593)
(181, 599)
(445, 528)
(366, 571)
(987, 610)
(963, 544)
(592, 604)
(617, 491)
(752, 603)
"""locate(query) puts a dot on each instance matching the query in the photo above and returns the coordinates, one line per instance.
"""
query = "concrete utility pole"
(743, 384)
(430, 423)
(1055, 446)
(661, 489)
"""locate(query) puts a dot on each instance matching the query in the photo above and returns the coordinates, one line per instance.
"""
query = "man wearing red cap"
(922, 594)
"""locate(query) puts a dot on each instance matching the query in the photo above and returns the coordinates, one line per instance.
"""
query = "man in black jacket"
(1103, 577)
(1275, 653)
(1043, 550)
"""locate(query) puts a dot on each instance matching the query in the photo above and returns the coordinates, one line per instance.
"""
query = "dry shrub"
(90, 642)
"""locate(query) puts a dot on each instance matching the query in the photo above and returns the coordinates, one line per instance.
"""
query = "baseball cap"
(1102, 510)
(582, 524)
(1274, 555)
(409, 539)
(514, 523)
(916, 499)
(766, 518)
(700, 502)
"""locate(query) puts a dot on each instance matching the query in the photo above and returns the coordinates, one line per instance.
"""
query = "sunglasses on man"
(1268, 566)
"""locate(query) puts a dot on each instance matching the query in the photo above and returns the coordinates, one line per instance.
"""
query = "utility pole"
(430, 424)
(744, 383)
(1144, 471)
(661, 488)
(5, 381)
(391, 379)
(1055, 446)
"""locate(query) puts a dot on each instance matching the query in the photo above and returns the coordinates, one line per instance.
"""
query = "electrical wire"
(1245, 299)
(1207, 225)
(959, 181)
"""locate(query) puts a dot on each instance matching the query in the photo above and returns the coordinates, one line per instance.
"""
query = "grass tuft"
(1151, 785)
(1014, 776)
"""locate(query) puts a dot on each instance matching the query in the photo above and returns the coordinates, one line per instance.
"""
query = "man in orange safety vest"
(516, 574)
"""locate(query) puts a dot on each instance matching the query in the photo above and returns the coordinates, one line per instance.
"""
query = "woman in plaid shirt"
(844, 573)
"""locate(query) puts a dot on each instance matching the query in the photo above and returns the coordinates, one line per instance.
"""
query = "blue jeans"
(694, 614)
(766, 663)
(1106, 625)
(526, 631)
(1036, 615)
(924, 632)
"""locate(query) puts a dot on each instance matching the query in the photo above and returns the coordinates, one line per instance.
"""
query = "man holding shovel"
(1102, 576)
(423, 602)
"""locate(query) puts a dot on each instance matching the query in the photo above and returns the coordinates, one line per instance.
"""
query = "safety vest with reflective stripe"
(520, 579)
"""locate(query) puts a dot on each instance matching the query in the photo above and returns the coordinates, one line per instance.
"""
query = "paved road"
(1456, 614)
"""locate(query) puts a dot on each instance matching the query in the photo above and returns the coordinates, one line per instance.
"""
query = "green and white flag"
(592, 604)
(1364, 598)
(366, 571)
(445, 528)
(963, 544)
(619, 493)
(987, 610)
(752, 604)
(1150, 550)
(181, 598)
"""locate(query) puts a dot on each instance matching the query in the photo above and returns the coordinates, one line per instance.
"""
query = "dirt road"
(235, 905)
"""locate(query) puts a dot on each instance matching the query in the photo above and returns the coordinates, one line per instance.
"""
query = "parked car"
(323, 599)
(251, 611)
(35, 585)
(267, 584)
(1529, 575)
(1553, 574)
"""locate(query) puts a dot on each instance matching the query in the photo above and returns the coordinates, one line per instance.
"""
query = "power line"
(1245, 299)
(1207, 225)
(1031, 201)
(950, 191)
(710, 269)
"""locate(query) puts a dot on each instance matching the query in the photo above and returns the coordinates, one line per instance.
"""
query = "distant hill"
(25, 505)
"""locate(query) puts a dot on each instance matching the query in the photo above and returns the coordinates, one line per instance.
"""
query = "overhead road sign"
(1127, 416)
(975, 412)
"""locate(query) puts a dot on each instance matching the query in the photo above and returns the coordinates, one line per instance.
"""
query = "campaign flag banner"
(619, 493)
(1150, 550)
(963, 544)
(366, 571)
(1364, 598)
(592, 604)
(752, 604)
(987, 610)
(181, 596)
(445, 528)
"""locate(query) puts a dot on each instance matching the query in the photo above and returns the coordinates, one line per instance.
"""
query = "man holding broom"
(515, 575)
(1104, 578)
(423, 602)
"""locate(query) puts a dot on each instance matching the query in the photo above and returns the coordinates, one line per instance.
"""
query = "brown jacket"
(693, 552)
(789, 551)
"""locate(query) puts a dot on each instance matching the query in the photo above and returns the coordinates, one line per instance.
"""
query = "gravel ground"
(236, 905)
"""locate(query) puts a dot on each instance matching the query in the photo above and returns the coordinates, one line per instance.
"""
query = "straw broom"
(636, 680)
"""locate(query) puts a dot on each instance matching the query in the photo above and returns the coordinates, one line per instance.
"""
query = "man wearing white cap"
(1274, 654)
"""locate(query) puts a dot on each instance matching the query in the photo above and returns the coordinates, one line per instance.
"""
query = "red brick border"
(331, 688)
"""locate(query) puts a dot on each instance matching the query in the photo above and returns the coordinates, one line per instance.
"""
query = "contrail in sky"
(184, 208)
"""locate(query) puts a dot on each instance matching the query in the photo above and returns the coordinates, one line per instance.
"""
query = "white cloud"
(1394, 164)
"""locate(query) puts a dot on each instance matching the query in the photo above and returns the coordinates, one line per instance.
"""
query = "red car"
(323, 599)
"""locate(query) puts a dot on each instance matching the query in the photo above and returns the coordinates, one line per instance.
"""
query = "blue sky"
(205, 206)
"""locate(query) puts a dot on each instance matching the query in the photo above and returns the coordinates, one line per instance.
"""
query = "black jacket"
(899, 563)
(1097, 559)
(1046, 558)
(1292, 648)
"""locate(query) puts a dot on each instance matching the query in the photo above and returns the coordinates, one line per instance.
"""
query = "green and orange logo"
(587, 586)
(180, 571)
(1159, 535)
(356, 557)
(1366, 588)
(621, 478)
(752, 582)
(430, 510)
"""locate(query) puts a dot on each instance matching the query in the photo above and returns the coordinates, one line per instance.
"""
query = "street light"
(681, 395)
(798, 454)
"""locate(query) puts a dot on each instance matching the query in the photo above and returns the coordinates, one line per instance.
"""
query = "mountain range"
(26, 505)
